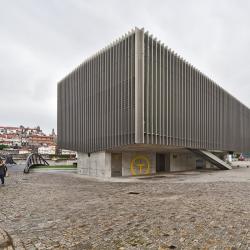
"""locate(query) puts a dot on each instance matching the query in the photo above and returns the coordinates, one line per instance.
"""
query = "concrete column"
(95, 164)
(139, 85)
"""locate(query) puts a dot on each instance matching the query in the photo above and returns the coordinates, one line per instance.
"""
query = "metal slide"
(210, 157)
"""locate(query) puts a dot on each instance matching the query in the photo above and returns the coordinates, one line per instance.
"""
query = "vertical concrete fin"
(139, 85)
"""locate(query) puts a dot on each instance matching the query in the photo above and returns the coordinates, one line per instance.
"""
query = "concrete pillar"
(94, 164)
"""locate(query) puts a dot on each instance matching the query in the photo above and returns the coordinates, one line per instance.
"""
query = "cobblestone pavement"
(191, 210)
(5, 240)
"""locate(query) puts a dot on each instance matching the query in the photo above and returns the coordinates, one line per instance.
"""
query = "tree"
(2, 146)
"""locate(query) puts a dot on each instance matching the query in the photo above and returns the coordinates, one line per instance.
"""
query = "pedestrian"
(3, 171)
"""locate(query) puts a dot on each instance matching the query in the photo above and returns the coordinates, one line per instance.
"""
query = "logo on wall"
(140, 165)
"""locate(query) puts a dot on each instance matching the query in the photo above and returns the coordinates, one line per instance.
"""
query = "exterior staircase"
(210, 157)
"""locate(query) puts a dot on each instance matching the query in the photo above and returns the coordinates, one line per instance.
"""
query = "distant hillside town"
(25, 140)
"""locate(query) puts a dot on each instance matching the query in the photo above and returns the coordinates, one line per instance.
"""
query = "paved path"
(209, 210)
(16, 168)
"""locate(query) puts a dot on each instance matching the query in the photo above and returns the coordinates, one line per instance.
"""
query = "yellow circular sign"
(140, 165)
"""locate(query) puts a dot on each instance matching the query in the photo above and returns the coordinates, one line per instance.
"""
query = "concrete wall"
(97, 164)
(182, 161)
(127, 157)
(133, 163)
(210, 165)
(148, 87)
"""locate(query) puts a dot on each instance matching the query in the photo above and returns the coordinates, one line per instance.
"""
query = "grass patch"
(54, 167)
(62, 166)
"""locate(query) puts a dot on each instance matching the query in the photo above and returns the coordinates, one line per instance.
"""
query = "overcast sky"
(43, 40)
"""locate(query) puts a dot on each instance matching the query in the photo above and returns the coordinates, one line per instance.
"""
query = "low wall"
(236, 164)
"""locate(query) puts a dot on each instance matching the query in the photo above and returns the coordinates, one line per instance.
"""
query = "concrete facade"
(183, 161)
(138, 91)
(135, 163)
(127, 161)
(95, 164)
(125, 108)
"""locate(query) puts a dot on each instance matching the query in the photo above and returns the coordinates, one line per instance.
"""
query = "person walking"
(2, 171)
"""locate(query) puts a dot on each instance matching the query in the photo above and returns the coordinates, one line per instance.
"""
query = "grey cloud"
(42, 41)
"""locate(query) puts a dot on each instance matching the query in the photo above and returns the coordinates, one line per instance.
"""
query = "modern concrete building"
(136, 107)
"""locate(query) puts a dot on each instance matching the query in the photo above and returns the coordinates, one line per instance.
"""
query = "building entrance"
(160, 162)
(116, 164)
(163, 162)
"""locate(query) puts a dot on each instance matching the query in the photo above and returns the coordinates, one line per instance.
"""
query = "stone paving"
(190, 210)
(5, 240)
